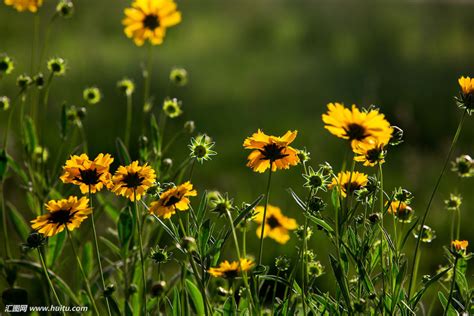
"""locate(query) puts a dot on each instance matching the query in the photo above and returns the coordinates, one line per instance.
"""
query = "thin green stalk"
(142, 257)
(128, 123)
(435, 189)
(83, 136)
(458, 228)
(46, 274)
(382, 262)
(192, 169)
(267, 196)
(4, 222)
(453, 282)
(10, 118)
(147, 77)
(237, 250)
(84, 276)
(304, 263)
(98, 252)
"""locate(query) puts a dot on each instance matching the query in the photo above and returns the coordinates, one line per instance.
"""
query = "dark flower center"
(91, 95)
(3, 65)
(151, 22)
(61, 217)
(173, 200)
(133, 180)
(230, 274)
(200, 151)
(273, 222)
(272, 152)
(351, 187)
(373, 155)
(88, 176)
(355, 131)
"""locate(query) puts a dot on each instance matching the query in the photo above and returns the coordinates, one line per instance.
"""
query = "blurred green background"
(275, 65)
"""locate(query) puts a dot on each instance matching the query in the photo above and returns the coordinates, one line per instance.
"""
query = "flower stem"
(128, 123)
(86, 280)
(382, 239)
(46, 273)
(435, 189)
(147, 77)
(98, 252)
(453, 282)
(267, 197)
(142, 257)
(4, 220)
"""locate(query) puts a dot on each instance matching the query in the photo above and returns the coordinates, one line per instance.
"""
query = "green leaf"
(125, 227)
(196, 297)
(87, 258)
(30, 140)
(19, 223)
(176, 302)
(55, 245)
(339, 274)
(109, 209)
(110, 245)
(17, 169)
(124, 156)
(320, 222)
(3, 163)
(418, 295)
(444, 302)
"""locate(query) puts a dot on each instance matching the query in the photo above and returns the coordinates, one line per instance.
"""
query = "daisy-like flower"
(176, 198)
(149, 19)
(463, 166)
(86, 173)
(201, 148)
(355, 125)
(277, 225)
(63, 213)
(133, 180)
(370, 153)
(401, 210)
(348, 183)
(57, 66)
(454, 202)
(271, 151)
(460, 246)
(466, 99)
(230, 270)
(23, 5)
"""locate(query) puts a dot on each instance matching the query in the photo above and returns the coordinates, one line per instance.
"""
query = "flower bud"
(189, 127)
(158, 288)
(4, 103)
(65, 8)
(179, 76)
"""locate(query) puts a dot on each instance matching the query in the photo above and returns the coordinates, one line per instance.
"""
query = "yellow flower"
(401, 210)
(133, 181)
(62, 213)
(371, 152)
(460, 245)
(357, 126)
(85, 173)
(349, 182)
(173, 199)
(277, 225)
(271, 151)
(231, 270)
(149, 19)
(466, 84)
(23, 5)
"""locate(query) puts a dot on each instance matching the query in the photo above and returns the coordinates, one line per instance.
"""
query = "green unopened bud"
(428, 234)
(65, 8)
(316, 204)
(57, 66)
(299, 232)
(160, 255)
(454, 202)
(304, 155)
(315, 269)
(81, 112)
(40, 154)
(179, 76)
(23, 81)
(39, 80)
(35, 240)
(464, 166)
(4, 103)
(189, 127)
(109, 290)
(133, 288)
(282, 263)
(92, 95)
(126, 86)
(158, 288)
(397, 136)
(189, 244)
(172, 108)
(6, 65)
(167, 163)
